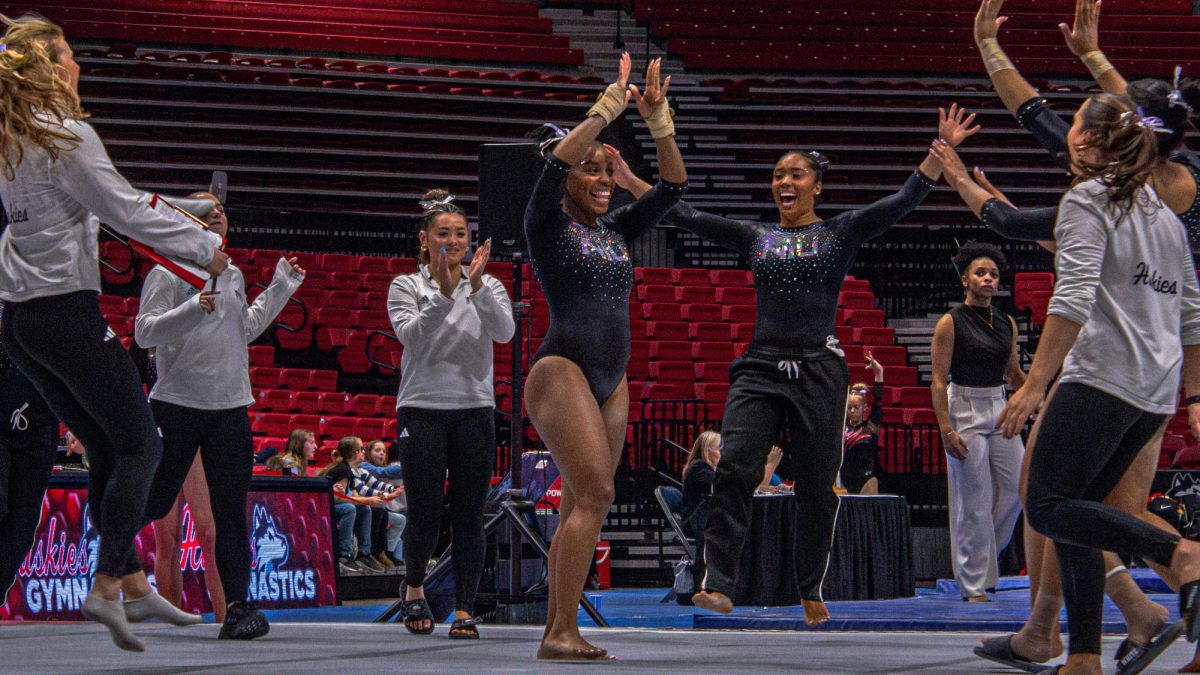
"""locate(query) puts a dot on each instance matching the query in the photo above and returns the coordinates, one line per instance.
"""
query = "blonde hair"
(699, 451)
(32, 90)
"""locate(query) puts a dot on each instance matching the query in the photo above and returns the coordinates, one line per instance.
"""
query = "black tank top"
(981, 348)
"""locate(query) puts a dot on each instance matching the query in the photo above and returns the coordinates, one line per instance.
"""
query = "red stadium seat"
(670, 350)
(654, 275)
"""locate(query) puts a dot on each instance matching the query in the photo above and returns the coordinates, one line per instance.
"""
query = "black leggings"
(463, 442)
(66, 349)
(26, 459)
(1087, 441)
(768, 388)
(227, 452)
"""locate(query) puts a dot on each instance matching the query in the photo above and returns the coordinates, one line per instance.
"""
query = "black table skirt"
(871, 556)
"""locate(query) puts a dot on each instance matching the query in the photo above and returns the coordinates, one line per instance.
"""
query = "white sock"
(111, 614)
(155, 606)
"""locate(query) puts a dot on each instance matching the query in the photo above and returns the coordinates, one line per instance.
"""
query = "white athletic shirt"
(1132, 284)
(54, 213)
(447, 360)
(201, 358)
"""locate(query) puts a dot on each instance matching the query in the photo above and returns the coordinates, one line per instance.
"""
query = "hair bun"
(435, 195)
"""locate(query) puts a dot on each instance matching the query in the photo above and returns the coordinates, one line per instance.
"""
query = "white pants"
(984, 498)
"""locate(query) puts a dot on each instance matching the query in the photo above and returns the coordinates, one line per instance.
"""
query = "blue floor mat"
(933, 609)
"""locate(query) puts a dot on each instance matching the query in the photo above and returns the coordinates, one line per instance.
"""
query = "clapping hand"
(478, 264)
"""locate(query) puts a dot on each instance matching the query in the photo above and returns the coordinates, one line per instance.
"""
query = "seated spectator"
(301, 448)
(377, 465)
(860, 455)
(388, 518)
(698, 474)
(352, 517)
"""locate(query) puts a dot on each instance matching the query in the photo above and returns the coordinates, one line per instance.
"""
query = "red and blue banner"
(291, 551)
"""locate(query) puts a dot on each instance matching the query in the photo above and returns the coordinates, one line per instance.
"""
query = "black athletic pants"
(26, 460)
(66, 349)
(1087, 441)
(223, 437)
(462, 442)
(768, 389)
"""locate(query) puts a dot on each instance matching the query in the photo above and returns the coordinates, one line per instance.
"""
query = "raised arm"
(88, 175)
(991, 206)
(954, 126)
(654, 108)
(611, 104)
(544, 211)
(633, 219)
(259, 314)
(1014, 90)
(1083, 39)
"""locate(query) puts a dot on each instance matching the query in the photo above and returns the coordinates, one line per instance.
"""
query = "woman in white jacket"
(58, 184)
(200, 401)
(447, 316)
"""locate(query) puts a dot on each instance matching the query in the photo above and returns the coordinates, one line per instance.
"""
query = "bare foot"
(979, 598)
(1193, 667)
(815, 612)
(577, 649)
(1029, 646)
(1143, 628)
(714, 601)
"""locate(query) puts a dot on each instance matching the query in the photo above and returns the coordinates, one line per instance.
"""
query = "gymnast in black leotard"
(586, 273)
(576, 392)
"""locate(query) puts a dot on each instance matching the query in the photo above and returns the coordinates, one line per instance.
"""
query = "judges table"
(871, 556)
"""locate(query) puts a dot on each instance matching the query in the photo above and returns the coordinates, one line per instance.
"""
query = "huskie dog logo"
(1184, 483)
(270, 550)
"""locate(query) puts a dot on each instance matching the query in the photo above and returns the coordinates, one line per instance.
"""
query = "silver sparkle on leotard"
(788, 262)
(602, 261)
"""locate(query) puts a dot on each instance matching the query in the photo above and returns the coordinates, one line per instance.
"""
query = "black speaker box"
(508, 173)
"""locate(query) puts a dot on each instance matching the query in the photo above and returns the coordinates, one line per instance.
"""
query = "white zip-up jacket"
(447, 360)
(1132, 284)
(201, 358)
(54, 214)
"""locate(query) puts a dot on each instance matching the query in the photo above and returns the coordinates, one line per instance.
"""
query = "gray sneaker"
(368, 565)
(347, 566)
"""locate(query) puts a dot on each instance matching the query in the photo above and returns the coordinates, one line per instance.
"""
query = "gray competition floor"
(344, 647)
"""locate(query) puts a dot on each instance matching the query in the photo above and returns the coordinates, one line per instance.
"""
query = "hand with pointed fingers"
(988, 20)
(656, 90)
(1084, 35)
(955, 127)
